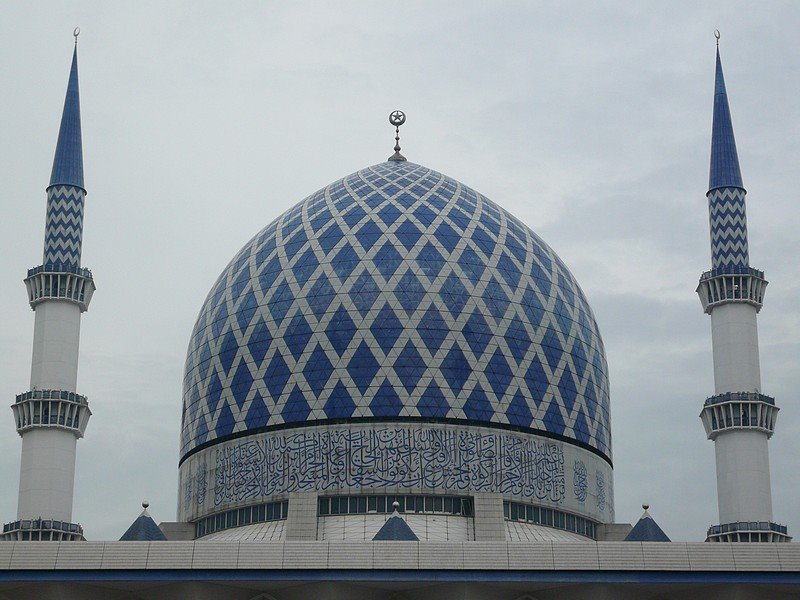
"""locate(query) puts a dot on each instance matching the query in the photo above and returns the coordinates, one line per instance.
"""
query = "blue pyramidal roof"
(724, 170)
(143, 529)
(646, 530)
(68, 161)
(396, 529)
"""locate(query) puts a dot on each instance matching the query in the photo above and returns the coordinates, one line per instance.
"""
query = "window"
(272, 511)
(515, 511)
(422, 504)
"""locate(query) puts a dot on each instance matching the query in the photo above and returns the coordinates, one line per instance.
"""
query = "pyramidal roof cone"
(724, 171)
(68, 160)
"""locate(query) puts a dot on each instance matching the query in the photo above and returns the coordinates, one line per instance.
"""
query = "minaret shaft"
(743, 479)
(47, 475)
(56, 340)
(47, 472)
(734, 337)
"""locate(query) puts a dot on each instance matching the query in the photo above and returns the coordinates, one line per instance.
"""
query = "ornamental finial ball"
(145, 504)
(396, 505)
(645, 506)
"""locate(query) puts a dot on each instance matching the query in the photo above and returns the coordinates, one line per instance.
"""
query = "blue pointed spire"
(68, 161)
(724, 170)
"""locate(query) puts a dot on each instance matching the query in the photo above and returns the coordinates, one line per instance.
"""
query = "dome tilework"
(396, 292)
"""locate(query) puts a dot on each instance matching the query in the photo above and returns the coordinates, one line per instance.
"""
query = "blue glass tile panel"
(296, 407)
(257, 414)
(386, 402)
(318, 370)
(477, 407)
(362, 367)
(410, 367)
(339, 404)
(241, 383)
(340, 330)
(433, 403)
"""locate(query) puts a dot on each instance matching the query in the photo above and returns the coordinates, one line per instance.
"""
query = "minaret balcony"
(51, 408)
(739, 410)
(748, 531)
(60, 282)
(41, 530)
(731, 284)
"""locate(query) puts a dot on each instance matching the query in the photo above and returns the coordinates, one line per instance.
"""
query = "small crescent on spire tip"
(717, 35)
(75, 33)
(397, 118)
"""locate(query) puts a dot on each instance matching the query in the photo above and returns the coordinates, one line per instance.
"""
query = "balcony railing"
(51, 408)
(748, 531)
(41, 530)
(731, 284)
(739, 410)
(60, 282)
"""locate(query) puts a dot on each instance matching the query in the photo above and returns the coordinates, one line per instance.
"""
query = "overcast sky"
(204, 121)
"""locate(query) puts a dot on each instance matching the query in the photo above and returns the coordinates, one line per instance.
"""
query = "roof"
(646, 530)
(143, 529)
(724, 170)
(68, 160)
(395, 293)
(397, 530)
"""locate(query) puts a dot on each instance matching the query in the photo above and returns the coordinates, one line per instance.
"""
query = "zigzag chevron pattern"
(64, 227)
(728, 227)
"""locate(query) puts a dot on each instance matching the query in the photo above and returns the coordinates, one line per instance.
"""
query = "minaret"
(739, 419)
(51, 416)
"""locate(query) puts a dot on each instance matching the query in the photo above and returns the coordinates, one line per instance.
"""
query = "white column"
(743, 482)
(47, 474)
(56, 339)
(734, 335)
(47, 471)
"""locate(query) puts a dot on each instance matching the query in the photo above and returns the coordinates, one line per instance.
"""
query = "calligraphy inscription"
(579, 481)
(601, 490)
(202, 483)
(389, 457)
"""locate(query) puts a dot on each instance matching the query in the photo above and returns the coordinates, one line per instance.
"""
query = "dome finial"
(717, 35)
(75, 33)
(397, 118)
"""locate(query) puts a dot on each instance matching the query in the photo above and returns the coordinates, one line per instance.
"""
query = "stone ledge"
(399, 556)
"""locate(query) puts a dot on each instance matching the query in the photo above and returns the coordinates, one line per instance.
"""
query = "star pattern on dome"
(396, 292)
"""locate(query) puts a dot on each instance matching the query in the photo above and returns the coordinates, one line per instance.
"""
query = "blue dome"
(396, 293)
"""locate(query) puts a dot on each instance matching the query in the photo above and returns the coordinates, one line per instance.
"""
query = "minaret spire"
(738, 418)
(724, 171)
(52, 416)
(726, 194)
(68, 160)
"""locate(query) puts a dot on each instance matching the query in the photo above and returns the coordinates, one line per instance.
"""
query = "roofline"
(400, 575)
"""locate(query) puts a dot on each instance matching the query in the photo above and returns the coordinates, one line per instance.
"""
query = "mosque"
(395, 390)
